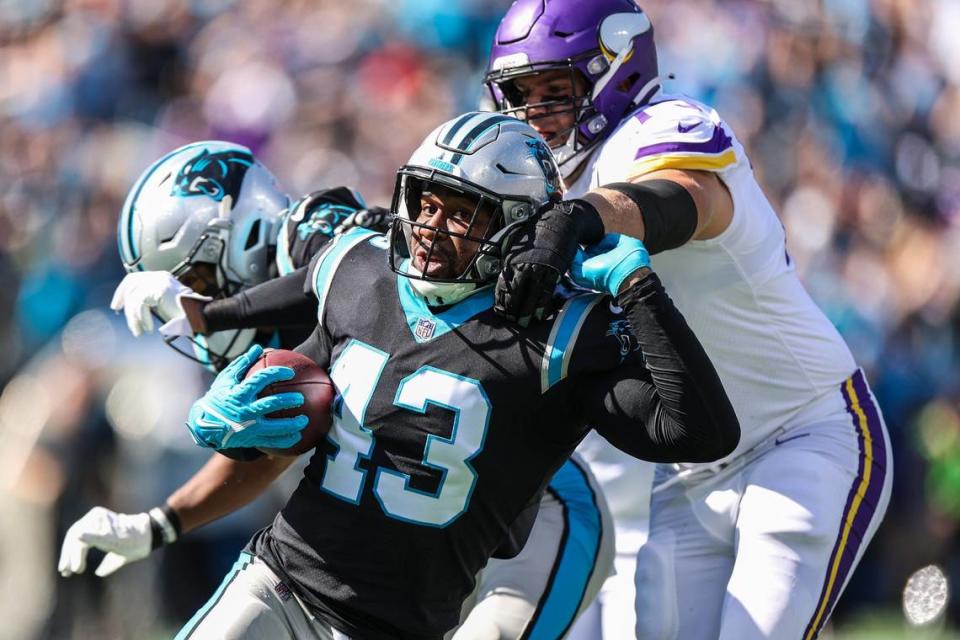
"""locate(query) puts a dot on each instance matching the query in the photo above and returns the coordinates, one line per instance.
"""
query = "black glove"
(540, 252)
(374, 218)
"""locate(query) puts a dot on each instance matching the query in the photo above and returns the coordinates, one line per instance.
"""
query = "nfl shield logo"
(425, 328)
(283, 591)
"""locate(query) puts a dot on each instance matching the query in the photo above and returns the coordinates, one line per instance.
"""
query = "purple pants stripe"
(861, 502)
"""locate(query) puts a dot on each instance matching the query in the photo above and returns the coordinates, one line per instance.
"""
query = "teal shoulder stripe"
(329, 261)
(284, 261)
(244, 560)
(563, 338)
(424, 324)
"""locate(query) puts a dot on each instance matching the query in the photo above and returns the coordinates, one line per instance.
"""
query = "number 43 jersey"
(446, 425)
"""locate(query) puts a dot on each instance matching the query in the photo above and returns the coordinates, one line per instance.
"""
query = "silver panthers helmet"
(207, 203)
(497, 161)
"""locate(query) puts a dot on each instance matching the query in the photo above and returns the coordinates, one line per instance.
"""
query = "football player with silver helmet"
(762, 545)
(206, 222)
(450, 423)
(204, 232)
(511, 594)
(199, 223)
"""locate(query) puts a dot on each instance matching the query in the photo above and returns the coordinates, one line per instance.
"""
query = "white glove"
(145, 291)
(125, 537)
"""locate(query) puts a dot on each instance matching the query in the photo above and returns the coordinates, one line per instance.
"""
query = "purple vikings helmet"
(608, 42)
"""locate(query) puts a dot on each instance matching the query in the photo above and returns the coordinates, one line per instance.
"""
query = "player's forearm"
(281, 302)
(684, 407)
(222, 486)
(618, 212)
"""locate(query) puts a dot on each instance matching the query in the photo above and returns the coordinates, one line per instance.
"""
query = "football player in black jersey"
(217, 230)
(449, 420)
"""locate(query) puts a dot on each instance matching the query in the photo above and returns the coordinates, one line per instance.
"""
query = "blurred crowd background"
(849, 108)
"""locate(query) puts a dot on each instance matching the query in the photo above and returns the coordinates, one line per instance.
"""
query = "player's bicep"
(713, 201)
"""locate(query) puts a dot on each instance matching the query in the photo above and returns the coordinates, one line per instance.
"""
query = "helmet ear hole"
(254, 236)
(629, 83)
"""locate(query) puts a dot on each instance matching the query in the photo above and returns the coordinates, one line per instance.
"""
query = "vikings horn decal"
(214, 175)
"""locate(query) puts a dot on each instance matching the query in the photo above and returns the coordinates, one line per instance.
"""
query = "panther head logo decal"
(544, 158)
(214, 175)
(324, 218)
(620, 329)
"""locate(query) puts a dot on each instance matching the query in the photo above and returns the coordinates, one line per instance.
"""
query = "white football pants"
(538, 594)
(252, 603)
(764, 547)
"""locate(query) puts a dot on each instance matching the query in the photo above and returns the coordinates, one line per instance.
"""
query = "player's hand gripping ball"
(318, 393)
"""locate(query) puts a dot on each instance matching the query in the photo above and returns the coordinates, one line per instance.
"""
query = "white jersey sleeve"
(774, 350)
(676, 133)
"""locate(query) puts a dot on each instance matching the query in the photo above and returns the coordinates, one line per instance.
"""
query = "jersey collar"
(426, 324)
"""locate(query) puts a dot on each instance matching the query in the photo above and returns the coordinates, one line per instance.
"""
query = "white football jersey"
(775, 351)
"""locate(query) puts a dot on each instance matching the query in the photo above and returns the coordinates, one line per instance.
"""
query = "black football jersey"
(447, 424)
(304, 232)
(307, 226)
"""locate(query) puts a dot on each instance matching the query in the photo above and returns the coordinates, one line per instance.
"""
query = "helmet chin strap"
(441, 294)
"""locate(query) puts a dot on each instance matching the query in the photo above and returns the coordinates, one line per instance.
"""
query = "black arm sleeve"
(281, 302)
(671, 408)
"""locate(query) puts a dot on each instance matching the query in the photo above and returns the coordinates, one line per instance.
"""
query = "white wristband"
(167, 529)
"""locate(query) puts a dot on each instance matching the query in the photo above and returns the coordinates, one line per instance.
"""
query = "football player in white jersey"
(762, 543)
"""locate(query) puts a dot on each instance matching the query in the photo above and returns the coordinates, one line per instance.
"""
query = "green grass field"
(888, 626)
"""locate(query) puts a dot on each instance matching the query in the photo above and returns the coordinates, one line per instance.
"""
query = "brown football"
(316, 387)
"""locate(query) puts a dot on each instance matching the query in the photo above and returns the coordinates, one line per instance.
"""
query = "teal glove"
(231, 416)
(605, 265)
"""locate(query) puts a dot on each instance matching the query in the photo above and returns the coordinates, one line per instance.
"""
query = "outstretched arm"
(221, 487)
(281, 302)
(665, 209)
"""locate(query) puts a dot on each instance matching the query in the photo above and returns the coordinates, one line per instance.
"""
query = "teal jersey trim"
(563, 338)
(424, 324)
(241, 564)
(329, 261)
(577, 560)
(284, 262)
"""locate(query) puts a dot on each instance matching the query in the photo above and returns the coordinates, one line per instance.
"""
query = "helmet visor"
(539, 91)
(554, 97)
